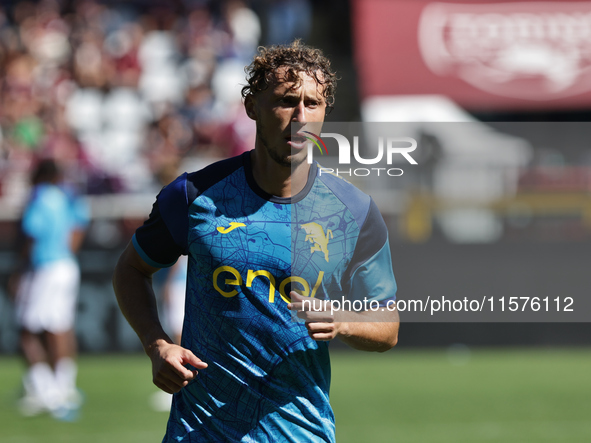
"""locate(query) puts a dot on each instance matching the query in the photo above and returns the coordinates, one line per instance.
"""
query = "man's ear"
(249, 106)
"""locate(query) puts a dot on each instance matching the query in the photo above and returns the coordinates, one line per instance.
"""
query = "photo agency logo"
(390, 150)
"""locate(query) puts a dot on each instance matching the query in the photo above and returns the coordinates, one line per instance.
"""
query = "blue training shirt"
(49, 218)
(267, 380)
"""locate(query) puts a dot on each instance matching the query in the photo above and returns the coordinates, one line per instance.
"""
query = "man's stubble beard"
(287, 161)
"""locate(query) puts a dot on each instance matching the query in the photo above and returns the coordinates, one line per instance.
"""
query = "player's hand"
(320, 322)
(168, 366)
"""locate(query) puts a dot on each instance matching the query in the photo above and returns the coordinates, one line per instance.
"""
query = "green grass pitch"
(515, 395)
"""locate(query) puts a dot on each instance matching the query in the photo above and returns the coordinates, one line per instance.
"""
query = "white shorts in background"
(174, 311)
(46, 299)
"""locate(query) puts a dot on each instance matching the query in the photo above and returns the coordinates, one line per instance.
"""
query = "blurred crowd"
(122, 93)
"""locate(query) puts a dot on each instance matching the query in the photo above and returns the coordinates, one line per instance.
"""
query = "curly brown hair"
(296, 57)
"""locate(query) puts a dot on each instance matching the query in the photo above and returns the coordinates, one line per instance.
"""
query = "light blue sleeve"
(374, 279)
(80, 213)
(35, 218)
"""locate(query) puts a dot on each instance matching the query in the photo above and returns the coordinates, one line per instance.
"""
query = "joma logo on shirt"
(233, 225)
(262, 273)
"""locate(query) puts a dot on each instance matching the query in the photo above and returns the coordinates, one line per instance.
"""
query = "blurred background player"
(46, 284)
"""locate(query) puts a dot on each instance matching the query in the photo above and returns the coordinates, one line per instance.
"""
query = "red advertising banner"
(483, 55)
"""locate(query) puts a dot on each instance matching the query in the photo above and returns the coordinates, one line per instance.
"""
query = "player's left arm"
(378, 331)
(31, 227)
(369, 282)
(365, 331)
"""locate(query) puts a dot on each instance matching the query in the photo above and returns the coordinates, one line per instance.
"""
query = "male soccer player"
(257, 228)
(46, 284)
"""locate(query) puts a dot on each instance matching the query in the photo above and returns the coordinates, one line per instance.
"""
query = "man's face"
(277, 107)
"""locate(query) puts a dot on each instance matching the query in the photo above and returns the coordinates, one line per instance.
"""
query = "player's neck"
(278, 180)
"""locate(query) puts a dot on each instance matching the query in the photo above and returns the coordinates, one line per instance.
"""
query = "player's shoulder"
(189, 186)
(355, 200)
(46, 190)
(47, 195)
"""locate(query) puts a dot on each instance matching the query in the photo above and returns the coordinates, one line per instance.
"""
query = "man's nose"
(299, 113)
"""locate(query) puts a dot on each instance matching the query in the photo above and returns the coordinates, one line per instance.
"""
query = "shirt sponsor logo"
(233, 278)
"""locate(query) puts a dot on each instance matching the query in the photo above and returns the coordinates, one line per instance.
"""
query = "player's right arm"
(132, 281)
